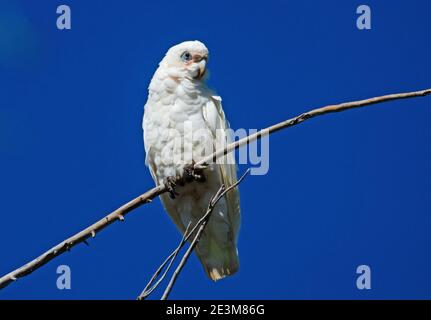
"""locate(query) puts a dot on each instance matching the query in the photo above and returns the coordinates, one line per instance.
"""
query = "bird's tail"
(218, 260)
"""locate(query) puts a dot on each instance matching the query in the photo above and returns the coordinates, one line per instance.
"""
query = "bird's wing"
(146, 131)
(217, 123)
(149, 140)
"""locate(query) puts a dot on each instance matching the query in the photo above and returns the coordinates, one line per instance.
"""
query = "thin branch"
(184, 260)
(187, 235)
(308, 115)
(66, 245)
(201, 224)
(149, 288)
(119, 214)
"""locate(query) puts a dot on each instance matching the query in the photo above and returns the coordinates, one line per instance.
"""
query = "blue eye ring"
(186, 56)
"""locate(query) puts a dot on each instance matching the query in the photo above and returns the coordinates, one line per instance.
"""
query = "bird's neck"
(172, 82)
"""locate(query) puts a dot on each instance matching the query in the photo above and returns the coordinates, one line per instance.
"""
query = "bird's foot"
(170, 184)
(194, 174)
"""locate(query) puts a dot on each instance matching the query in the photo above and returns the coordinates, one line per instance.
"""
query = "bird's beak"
(202, 63)
(202, 69)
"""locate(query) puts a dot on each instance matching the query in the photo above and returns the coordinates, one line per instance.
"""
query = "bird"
(184, 121)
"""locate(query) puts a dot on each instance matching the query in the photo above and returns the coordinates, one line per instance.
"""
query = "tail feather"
(218, 261)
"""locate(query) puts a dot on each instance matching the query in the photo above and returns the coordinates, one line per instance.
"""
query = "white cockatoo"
(183, 121)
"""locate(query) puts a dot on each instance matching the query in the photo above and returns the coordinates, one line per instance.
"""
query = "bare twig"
(308, 115)
(187, 235)
(119, 214)
(149, 288)
(201, 224)
(81, 236)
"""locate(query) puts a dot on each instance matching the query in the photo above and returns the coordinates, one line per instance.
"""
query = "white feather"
(176, 96)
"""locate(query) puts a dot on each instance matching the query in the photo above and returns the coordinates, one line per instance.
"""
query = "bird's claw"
(201, 166)
(170, 184)
(192, 173)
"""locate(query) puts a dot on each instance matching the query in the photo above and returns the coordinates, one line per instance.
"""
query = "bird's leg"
(199, 173)
(191, 173)
(194, 174)
(170, 184)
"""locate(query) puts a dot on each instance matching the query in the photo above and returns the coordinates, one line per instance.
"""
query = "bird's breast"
(175, 131)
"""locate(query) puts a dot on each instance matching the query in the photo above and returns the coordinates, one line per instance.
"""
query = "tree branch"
(119, 214)
(202, 224)
(308, 115)
(149, 288)
(82, 236)
(187, 235)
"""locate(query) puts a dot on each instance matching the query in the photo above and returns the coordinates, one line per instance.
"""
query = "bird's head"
(187, 60)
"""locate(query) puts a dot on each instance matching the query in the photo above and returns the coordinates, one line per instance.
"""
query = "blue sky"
(342, 190)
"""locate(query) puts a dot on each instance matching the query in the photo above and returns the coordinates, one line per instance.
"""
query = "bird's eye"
(186, 56)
